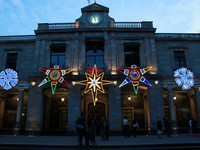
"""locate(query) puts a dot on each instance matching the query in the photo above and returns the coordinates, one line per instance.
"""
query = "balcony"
(111, 24)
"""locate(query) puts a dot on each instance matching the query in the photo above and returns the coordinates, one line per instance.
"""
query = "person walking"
(190, 126)
(82, 128)
(102, 126)
(167, 125)
(126, 127)
(194, 126)
(93, 131)
(135, 127)
(107, 129)
(89, 120)
(159, 128)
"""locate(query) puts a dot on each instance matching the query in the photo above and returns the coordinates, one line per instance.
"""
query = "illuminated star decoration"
(184, 78)
(134, 75)
(55, 75)
(8, 78)
(94, 83)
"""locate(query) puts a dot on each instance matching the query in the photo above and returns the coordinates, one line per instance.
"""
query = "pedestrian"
(159, 128)
(187, 126)
(135, 127)
(167, 125)
(190, 126)
(102, 126)
(89, 120)
(126, 127)
(93, 131)
(76, 131)
(194, 126)
(82, 130)
(107, 129)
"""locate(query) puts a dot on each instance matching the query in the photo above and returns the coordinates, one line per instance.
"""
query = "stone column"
(114, 108)
(17, 128)
(172, 113)
(35, 108)
(197, 105)
(74, 107)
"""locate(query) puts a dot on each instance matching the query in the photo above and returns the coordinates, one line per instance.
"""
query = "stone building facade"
(95, 38)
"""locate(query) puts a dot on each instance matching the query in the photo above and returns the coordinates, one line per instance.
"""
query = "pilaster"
(114, 107)
(34, 118)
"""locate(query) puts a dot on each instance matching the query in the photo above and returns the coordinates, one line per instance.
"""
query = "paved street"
(115, 142)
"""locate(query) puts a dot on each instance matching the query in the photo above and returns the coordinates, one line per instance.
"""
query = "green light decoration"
(55, 75)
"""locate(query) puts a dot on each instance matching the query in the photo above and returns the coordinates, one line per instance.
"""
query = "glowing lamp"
(18, 99)
(73, 83)
(129, 98)
(62, 99)
(33, 83)
(174, 97)
(115, 82)
(156, 82)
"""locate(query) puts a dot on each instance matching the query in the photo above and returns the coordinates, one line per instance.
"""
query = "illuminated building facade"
(96, 38)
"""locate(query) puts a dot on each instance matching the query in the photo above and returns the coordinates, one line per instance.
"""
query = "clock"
(94, 19)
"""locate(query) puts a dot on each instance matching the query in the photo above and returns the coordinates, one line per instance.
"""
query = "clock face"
(95, 19)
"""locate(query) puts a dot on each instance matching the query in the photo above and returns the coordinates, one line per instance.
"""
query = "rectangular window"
(11, 61)
(58, 55)
(179, 59)
(131, 54)
(94, 53)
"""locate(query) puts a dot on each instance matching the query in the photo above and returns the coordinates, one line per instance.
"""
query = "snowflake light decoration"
(8, 78)
(55, 75)
(94, 83)
(184, 78)
(134, 75)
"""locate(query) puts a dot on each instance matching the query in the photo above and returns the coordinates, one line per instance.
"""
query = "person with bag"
(102, 126)
(135, 127)
(81, 126)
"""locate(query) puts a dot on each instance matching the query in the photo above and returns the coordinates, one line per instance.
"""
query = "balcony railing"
(61, 25)
(126, 24)
(111, 24)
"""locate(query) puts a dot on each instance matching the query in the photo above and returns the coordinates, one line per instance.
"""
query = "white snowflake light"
(8, 78)
(184, 78)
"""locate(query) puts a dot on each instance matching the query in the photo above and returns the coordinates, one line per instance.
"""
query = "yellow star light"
(94, 83)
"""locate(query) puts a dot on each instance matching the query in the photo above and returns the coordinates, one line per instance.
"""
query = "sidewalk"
(113, 142)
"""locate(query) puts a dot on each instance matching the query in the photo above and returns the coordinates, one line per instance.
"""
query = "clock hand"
(94, 18)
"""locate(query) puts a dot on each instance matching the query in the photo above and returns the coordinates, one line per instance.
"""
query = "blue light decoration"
(134, 75)
(184, 78)
(8, 78)
(55, 75)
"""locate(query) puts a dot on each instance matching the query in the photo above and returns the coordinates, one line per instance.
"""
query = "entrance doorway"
(99, 110)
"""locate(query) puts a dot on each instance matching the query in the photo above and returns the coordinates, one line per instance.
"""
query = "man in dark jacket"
(159, 128)
(82, 128)
(102, 126)
(167, 125)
